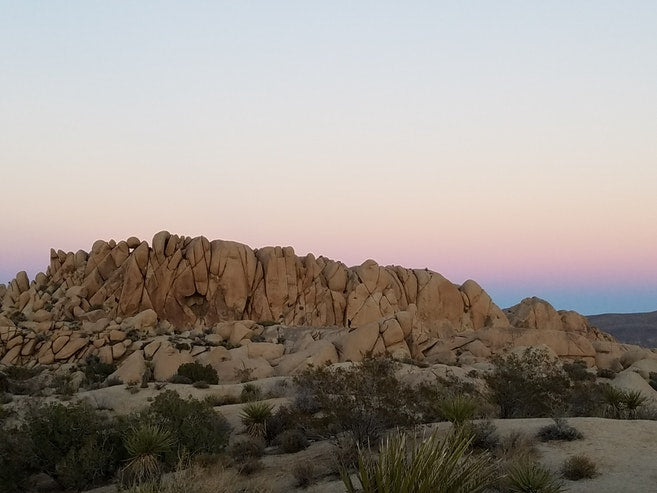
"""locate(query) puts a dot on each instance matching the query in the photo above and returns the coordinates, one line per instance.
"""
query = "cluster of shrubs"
(80, 447)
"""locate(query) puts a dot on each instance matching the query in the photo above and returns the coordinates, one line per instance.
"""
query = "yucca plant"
(458, 409)
(531, 477)
(433, 465)
(633, 400)
(614, 399)
(255, 416)
(146, 446)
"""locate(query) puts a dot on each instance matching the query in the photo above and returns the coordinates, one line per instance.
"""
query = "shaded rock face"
(192, 281)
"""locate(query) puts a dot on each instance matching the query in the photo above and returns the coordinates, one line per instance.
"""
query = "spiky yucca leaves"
(458, 408)
(531, 477)
(255, 416)
(633, 400)
(146, 446)
(434, 465)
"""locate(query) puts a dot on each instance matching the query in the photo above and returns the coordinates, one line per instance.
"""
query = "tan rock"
(354, 345)
(214, 356)
(230, 370)
(266, 350)
(42, 316)
(11, 357)
(118, 350)
(15, 341)
(240, 331)
(59, 343)
(317, 354)
(167, 360)
(105, 354)
(131, 369)
(116, 335)
(71, 347)
(391, 332)
(151, 348)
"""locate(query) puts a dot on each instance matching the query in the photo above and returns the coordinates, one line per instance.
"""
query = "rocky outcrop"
(184, 299)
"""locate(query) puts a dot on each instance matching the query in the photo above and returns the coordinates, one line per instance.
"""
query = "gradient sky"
(514, 143)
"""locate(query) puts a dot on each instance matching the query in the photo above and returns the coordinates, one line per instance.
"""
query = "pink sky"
(514, 144)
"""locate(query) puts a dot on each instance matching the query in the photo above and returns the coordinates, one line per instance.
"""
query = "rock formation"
(222, 303)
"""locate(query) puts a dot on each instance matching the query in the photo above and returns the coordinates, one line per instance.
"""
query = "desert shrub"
(96, 371)
(15, 460)
(214, 400)
(197, 372)
(484, 436)
(291, 441)
(255, 416)
(345, 454)
(249, 466)
(195, 427)
(517, 446)
(201, 384)
(529, 384)
(531, 477)
(250, 392)
(21, 373)
(585, 399)
(433, 465)
(282, 420)
(4, 382)
(578, 467)
(246, 448)
(559, 430)
(180, 379)
(74, 444)
(606, 373)
(244, 374)
(458, 409)
(304, 473)
(364, 399)
(577, 371)
(146, 447)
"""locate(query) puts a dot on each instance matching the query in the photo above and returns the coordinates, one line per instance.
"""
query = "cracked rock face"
(179, 299)
(190, 281)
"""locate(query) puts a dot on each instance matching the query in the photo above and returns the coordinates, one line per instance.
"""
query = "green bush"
(246, 448)
(15, 460)
(73, 444)
(250, 392)
(304, 473)
(528, 385)
(364, 399)
(559, 430)
(430, 466)
(197, 372)
(577, 371)
(484, 436)
(578, 467)
(606, 373)
(195, 427)
(96, 371)
(291, 441)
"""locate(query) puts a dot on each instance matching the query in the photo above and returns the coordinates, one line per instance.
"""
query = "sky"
(514, 143)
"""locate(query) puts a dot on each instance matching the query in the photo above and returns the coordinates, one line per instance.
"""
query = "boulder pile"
(264, 312)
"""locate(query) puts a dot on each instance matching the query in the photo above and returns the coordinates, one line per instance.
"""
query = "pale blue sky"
(509, 142)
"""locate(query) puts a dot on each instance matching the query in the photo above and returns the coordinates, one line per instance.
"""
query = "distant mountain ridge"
(630, 328)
